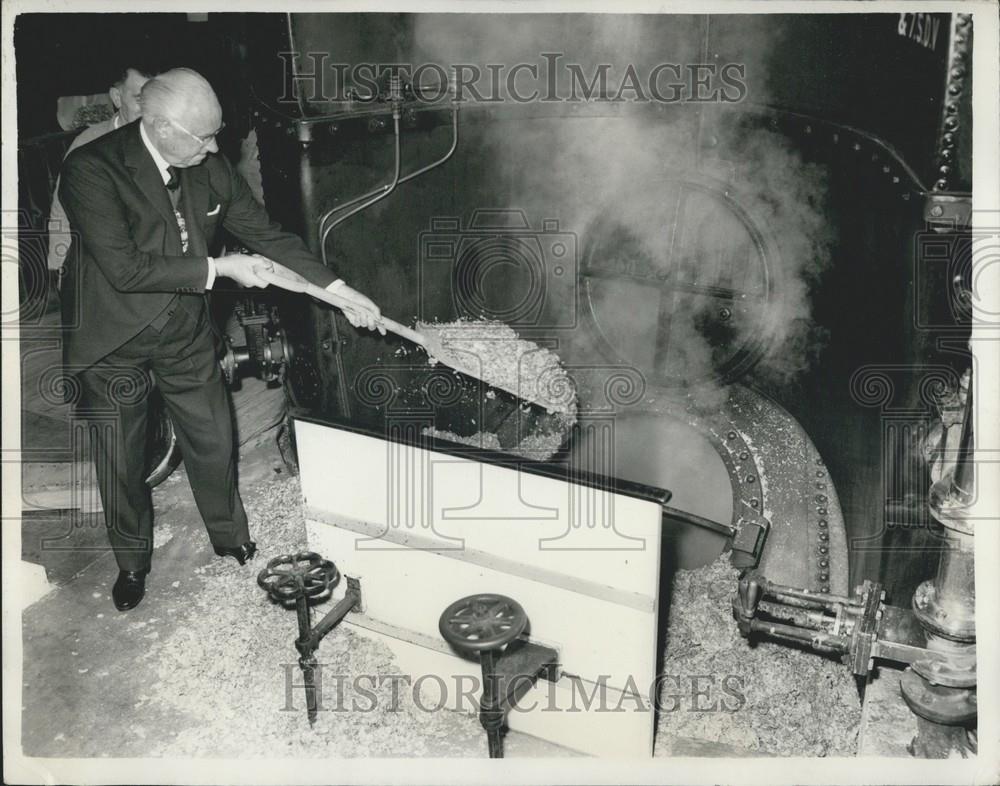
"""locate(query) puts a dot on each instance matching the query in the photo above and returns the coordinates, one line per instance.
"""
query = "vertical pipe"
(307, 660)
(946, 605)
(302, 612)
(490, 713)
(963, 481)
(308, 664)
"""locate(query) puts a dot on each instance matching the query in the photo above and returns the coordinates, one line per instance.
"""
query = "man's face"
(125, 96)
(187, 139)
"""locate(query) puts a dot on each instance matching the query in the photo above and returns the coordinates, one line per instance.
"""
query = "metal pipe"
(334, 616)
(683, 517)
(800, 617)
(308, 664)
(817, 599)
(454, 143)
(309, 639)
(291, 46)
(964, 480)
(374, 195)
(305, 623)
(307, 658)
(946, 605)
(383, 191)
(446, 156)
(382, 194)
(815, 639)
(490, 712)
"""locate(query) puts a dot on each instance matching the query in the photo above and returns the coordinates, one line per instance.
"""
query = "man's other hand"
(365, 313)
(243, 269)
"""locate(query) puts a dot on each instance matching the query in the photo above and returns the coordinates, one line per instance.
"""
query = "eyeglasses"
(202, 140)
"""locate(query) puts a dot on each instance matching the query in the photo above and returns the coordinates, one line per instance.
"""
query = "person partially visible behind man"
(124, 95)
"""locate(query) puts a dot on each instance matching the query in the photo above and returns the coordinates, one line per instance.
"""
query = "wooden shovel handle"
(307, 288)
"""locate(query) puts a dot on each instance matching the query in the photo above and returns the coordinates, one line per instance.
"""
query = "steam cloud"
(647, 200)
(643, 206)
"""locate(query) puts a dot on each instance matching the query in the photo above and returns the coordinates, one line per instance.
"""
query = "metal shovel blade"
(491, 351)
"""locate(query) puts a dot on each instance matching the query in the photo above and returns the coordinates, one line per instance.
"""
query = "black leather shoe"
(241, 553)
(129, 589)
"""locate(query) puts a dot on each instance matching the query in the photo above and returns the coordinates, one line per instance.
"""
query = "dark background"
(81, 54)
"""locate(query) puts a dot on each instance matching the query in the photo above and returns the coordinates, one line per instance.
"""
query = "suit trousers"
(179, 350)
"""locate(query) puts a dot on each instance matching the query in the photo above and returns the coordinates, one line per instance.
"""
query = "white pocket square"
(216, 211)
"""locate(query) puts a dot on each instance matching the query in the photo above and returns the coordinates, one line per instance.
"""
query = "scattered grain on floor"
(778, 700)
(227, 665)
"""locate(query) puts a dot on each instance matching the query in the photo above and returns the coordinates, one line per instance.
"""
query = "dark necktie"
(173, 186)
(174, 191)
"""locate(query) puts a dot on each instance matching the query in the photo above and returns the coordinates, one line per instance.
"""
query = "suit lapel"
(146, 176)
(194, 187)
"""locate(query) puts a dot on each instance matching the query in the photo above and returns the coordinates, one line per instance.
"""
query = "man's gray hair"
(167, 94)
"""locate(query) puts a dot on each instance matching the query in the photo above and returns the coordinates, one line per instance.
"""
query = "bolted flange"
(937, 703)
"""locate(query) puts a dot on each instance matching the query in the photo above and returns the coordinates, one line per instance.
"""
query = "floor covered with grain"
(206, 667)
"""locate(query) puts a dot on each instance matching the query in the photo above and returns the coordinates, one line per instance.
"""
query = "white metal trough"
(422, 526)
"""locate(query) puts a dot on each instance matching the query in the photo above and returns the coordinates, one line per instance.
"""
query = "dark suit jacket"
(126, 263)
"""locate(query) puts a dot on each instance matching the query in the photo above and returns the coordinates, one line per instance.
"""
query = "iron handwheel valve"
(301, 578)
(488, 625)
(483, 622)
(292, 576)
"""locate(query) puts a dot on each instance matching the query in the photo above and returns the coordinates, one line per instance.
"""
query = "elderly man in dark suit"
(145, 202)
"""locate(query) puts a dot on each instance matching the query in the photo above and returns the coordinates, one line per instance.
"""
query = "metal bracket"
(354, 587)
(948, 212)
(747, 542)
(522, 664)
